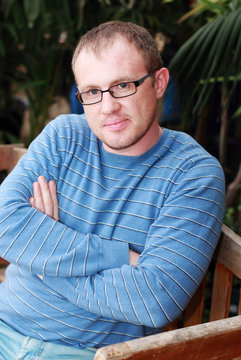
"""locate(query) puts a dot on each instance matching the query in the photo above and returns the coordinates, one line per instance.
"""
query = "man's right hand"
(45, 197)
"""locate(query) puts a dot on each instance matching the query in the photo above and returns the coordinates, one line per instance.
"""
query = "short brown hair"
(99, 37)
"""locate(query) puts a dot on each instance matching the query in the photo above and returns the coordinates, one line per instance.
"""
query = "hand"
(45, 197)
(133, 257)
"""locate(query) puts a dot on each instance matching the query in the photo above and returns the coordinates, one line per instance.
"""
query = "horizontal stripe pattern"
(167, 204)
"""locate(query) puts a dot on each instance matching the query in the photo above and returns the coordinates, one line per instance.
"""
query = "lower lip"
(117, 126)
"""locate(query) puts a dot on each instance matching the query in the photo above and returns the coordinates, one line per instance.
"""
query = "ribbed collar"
(132, 161)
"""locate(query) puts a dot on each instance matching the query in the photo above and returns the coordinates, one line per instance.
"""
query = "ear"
(161, 81)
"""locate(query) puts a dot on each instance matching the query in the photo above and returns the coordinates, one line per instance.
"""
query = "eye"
(123, 85)
(92, 92)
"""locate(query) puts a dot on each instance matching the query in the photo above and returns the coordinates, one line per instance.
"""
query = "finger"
(31, 201)
(133, 257)
(37, 195)
(53, 192)
(46, 196)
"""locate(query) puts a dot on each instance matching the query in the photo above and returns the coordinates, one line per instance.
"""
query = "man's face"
(129, 125)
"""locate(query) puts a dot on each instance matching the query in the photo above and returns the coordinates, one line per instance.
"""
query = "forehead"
(120, 58)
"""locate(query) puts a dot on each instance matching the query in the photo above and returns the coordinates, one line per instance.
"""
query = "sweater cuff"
(115, 255)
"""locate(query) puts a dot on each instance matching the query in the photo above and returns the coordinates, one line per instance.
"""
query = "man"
(125, 215)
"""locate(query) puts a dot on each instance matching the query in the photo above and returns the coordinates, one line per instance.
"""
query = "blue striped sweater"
(167, 204)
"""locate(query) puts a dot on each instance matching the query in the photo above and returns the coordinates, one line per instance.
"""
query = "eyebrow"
(114, 82)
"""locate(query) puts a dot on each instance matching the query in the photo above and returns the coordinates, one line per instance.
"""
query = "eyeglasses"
(121, 90)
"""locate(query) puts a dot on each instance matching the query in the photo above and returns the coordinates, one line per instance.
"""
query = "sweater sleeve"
(35, 241)
(178, 250)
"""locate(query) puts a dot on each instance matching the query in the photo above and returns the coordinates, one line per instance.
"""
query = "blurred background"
(200, 42)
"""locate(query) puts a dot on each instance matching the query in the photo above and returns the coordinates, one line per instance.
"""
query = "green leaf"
(12, 139)
(237, 53)
(32, 10)
(183, 56)
(215, 59)
(11, 29)
(237, 112)
(200, 52)
(228, 67)
(210, 55)
(7, 5)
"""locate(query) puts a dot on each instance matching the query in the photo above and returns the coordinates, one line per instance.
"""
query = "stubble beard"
(132, 142)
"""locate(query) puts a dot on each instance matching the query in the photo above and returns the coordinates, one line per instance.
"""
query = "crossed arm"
(45, 199)
(152, 292)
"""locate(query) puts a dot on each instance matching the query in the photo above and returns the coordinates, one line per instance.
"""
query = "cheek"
(92, 119)
(142, 106)
(135, 105)
(91, 114)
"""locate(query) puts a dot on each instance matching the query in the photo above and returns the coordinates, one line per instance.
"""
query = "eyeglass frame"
(136, 83)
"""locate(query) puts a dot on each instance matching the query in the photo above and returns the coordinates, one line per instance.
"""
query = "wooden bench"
(220, 338)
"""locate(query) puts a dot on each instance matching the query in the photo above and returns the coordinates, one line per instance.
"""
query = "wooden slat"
(229, 251)
(3, 262)
(210, 341)
(221, 293)
(194, 310)
(6, 156)
(172, 326)
(17, 153)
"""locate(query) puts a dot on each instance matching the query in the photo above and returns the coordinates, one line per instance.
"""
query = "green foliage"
(210, 8)
(211, 55)
(155, 15)
(41, 33)
(32, 10)
(238, 112)
(37, 38)
(232, 217)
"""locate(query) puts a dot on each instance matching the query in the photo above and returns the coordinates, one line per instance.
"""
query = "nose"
(109, 104)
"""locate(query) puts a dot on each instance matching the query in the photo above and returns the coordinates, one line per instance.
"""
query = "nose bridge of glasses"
(107, 90)
(109, 102)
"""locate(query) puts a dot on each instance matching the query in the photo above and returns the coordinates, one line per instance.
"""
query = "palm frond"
(211, 54)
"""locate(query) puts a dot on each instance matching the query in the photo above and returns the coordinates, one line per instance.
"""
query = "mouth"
(116, 125)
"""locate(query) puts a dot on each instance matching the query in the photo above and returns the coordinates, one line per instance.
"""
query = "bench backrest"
(9, 156)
